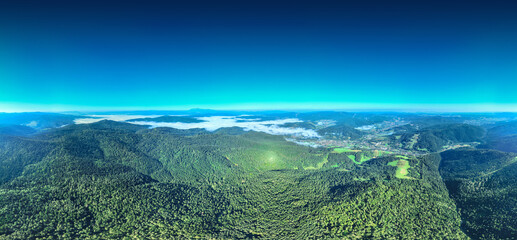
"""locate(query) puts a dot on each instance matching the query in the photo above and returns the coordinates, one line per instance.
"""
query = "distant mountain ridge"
(182, 119)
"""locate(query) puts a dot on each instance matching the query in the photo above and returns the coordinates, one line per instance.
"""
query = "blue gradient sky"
(257, 54)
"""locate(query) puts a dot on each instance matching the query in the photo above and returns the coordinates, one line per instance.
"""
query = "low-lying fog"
(213, 123)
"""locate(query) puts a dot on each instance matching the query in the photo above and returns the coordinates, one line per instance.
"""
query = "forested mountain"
(111, 180)
(506, 143)
(341, 131)
(348, 118)
(484, 185)
(115, 180)
(16, 130)
(426, 121)
(306, 125)
(432, 139)
(502, 136)
(503, 129)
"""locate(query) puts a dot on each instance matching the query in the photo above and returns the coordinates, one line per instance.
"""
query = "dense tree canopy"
(113, 180)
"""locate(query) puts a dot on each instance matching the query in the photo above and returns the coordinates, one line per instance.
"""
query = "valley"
(365, 175)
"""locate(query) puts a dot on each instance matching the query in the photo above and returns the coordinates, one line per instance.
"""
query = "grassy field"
(344, 150)
(402, 168)
(259, 152)
(360, 159)
(353, 158)
(360, 156)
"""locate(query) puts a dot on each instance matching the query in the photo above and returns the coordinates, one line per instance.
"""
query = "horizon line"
(257, 107)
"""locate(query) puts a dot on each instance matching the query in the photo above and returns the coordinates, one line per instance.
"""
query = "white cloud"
(119, 118)
(32, 124)
(216, 122)
(213, 123)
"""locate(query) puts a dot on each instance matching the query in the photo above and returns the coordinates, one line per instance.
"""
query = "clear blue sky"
(177, 54)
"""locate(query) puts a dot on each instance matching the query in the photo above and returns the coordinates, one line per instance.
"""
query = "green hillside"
(506, 143)
(484, 185)
(111, 180)
(340, 131)
(432, 139)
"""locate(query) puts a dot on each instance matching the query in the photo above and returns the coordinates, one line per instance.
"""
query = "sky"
(93, 55)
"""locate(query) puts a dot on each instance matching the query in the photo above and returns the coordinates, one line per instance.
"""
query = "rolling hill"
(483, 183)
(112, 180)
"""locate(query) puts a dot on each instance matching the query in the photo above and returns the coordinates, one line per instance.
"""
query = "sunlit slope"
(166, 154)
(222, 153)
